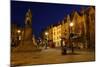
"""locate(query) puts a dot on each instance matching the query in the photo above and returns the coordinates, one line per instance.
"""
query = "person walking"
(63, 47)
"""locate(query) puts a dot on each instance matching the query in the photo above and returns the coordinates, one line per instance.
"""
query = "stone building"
(57, 35)
(16, 35)
(89, 15)
(83, 29)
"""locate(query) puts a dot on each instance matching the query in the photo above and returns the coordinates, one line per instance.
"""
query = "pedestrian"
(46, 44)
(63, 46)
(38, 43)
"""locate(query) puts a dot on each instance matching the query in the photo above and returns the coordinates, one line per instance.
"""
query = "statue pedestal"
(26, 46)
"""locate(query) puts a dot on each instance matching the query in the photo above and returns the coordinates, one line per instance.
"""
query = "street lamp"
(18, 31)
(71, 24)
(46, 34)
(19, 37)
(70, 34)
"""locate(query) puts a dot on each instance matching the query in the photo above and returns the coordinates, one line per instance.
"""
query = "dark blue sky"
(43, 14)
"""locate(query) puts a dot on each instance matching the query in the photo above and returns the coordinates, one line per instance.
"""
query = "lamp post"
(18, 31)
(19, 37)
(70, 35)
(46, 34)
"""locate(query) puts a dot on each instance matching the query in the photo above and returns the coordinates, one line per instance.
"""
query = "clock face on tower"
(28, 18)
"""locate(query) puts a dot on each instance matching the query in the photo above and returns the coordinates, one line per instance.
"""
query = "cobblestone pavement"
(50, 56)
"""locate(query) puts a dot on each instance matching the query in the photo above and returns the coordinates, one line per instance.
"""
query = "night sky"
(43, 14)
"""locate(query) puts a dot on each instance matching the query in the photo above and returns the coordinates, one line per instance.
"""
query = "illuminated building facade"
(83, 28)
(57, 35)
